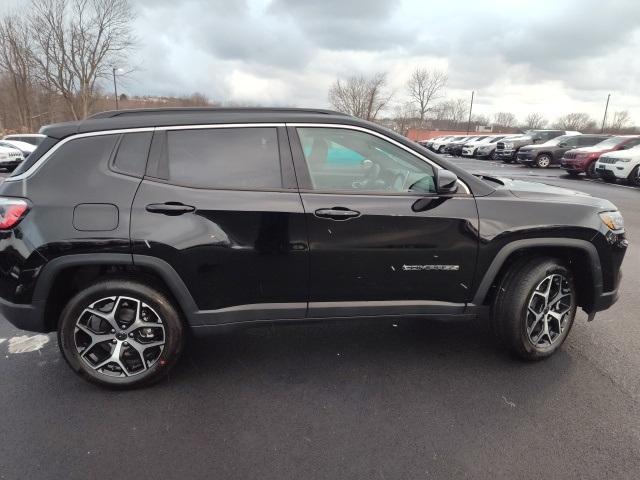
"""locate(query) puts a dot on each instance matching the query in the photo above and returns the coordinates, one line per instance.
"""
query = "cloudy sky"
(551, 56)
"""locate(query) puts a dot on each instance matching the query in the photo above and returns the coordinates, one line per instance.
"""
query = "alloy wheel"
(549, 310)
(119, 336)
(543, 161)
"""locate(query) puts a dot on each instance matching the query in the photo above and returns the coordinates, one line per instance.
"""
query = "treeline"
(423, 104)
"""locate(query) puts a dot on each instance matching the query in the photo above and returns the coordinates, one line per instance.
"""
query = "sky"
(547, 56)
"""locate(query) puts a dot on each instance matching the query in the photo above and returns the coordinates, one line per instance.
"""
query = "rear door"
(219, 205)
(381, 240)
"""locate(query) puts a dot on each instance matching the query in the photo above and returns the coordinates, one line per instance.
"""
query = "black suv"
(122, 231)
(551, 152)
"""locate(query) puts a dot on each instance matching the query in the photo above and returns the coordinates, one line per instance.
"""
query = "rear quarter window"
(132, 153)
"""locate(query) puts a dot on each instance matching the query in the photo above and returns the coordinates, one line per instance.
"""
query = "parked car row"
(481, 146)
(15, 148)
(611, 157)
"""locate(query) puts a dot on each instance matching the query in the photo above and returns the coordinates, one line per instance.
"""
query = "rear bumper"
(24, 317)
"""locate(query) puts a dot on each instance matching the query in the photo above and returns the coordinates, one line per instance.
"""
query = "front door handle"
(170, 208)
(337, 213)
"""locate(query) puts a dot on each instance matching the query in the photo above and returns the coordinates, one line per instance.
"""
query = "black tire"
(441, 149)
(591, 171)
(543, 161)
(634, 176)
(492, 155)
(511, 317)
(153, 306)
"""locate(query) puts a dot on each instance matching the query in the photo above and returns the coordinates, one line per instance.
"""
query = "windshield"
(556, 141)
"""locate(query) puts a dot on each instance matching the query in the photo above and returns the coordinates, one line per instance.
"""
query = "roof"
(140, 118)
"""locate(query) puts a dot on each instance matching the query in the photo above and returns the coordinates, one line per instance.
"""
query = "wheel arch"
(62, 277)
(580, 256)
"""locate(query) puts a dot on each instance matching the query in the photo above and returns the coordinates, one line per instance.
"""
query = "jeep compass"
(127, 230)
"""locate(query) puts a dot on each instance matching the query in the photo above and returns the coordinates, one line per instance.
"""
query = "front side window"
(224, 158)
(349, 160)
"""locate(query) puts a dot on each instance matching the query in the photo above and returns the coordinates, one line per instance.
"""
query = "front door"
(381, 240)
(219, 209)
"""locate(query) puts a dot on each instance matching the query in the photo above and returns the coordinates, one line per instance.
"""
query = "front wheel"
(534, 307)
(591, 171)
(120, 333)
(543, 161)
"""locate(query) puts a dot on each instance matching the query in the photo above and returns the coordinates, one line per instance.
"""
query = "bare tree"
(360, 96)
(621, 120)
(17, 63)
(535, 121)
(78, 43)
(404, 118)
(504, 119)
(424, 86)
(575, 121)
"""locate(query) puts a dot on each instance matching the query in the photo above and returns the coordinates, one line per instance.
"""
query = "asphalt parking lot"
(380, 399)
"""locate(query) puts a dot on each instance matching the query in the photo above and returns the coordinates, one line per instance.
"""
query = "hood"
(542, 191)
(594, 149)
(631, 153)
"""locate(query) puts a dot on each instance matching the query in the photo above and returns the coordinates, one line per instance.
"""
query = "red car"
(583, 160)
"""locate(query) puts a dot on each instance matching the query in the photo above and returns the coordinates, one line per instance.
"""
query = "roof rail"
(161, 111)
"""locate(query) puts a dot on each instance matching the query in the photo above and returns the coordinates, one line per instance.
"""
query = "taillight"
(12, 210)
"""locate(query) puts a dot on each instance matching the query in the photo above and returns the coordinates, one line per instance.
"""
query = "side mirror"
(446, 182)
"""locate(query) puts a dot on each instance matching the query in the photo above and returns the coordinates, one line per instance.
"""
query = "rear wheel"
(120, 334)
(543, 161)
(535, 307)
(634, 176)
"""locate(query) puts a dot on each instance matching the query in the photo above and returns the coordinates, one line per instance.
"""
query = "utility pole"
(115, 86)
(470, 110)
(604, 119)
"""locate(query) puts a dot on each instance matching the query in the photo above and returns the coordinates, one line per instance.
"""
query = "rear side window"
(131, 157)
(586, 141)
(224, 158)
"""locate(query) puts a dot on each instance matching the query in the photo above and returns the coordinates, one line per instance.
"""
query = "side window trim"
(157, 168)
(304, 178)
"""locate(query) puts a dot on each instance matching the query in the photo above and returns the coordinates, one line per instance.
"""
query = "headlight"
(623, 160)
(613, 220)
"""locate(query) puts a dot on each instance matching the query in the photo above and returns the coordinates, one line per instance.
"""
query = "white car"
(621, 164)
(469, 148)
(440, 144)
(24, 147)
(32, 138)
(10, 158)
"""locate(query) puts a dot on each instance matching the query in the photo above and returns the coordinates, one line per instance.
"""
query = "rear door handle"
(170, 208)
(337, 213)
